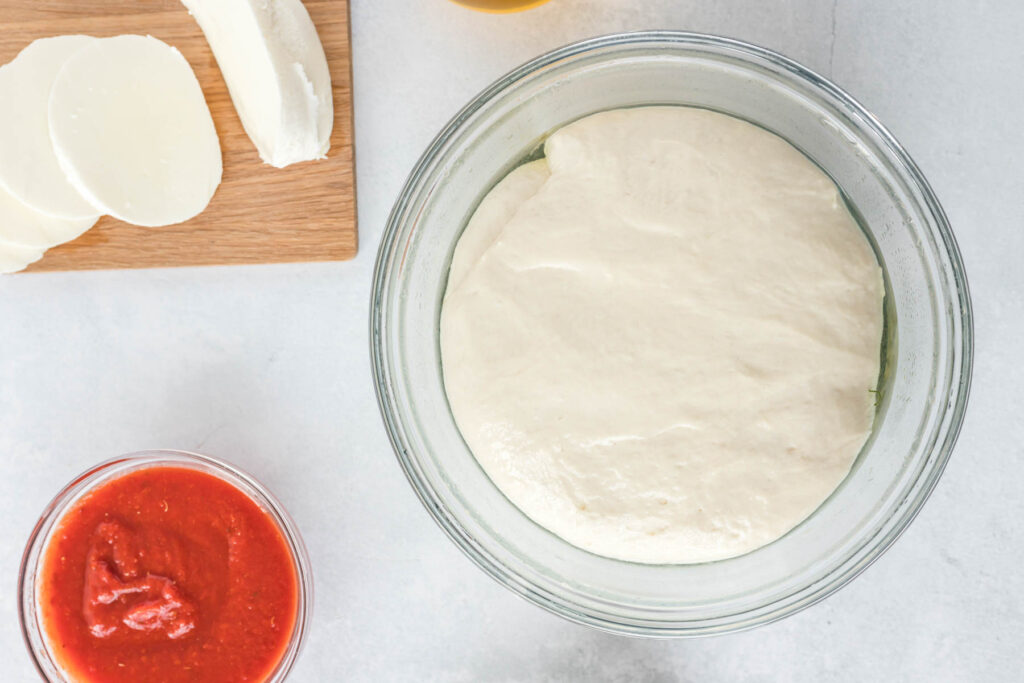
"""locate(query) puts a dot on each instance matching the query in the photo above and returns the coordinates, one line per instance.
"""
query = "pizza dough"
(661, 341)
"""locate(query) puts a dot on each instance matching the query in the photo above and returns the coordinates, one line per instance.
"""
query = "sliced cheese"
(276, 72)
(28, 165)
(15, 257)
(132, 131)
(21, 225)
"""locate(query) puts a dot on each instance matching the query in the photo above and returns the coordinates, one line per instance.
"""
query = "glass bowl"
(928, 335)
(28, 612)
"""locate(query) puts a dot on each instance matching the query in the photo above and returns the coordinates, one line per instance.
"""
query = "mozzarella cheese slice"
(28, 165)
(132, 131)
(276, 71)
(15, 257)
(26, 227)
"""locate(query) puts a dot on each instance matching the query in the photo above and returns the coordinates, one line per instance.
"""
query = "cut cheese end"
(276, 71)
(28, 166)
(15, 257)
(132, 131)
(23, 226)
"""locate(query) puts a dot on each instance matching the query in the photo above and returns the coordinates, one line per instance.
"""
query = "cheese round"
(15, 257)
(132, 131)
(661, 341)
(28, 166)
(24, 226)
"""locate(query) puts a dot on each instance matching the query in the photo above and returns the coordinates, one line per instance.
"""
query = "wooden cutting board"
(260, 214)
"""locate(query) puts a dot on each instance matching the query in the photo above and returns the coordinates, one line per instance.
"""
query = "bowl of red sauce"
(164, 566)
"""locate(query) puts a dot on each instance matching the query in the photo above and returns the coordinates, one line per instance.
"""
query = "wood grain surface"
(260, 214)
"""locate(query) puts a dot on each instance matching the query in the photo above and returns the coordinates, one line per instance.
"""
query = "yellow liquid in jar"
(500, 6)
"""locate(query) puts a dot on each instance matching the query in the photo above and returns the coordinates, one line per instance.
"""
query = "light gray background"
(268, 367)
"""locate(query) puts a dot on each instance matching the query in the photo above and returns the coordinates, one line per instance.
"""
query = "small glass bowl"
(928, 336)
(28, 612)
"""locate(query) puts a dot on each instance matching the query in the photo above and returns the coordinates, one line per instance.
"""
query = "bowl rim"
(857, 561)
(112, 468)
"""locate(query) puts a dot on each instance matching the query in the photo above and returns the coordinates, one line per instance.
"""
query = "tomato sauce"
(168, 574)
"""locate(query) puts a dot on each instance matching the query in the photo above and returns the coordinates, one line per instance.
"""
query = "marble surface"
(268, 367)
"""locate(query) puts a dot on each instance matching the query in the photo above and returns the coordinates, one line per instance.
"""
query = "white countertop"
(268, 367)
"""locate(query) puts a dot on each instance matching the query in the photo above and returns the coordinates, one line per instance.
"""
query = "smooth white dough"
(133, 133)
(660, 342)
(276, 71)
(28, 228)
(28, 166)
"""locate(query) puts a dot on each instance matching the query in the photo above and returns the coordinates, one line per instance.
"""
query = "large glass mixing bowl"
(928, 339)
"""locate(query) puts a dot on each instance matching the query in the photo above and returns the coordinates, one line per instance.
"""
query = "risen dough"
(660, 342)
